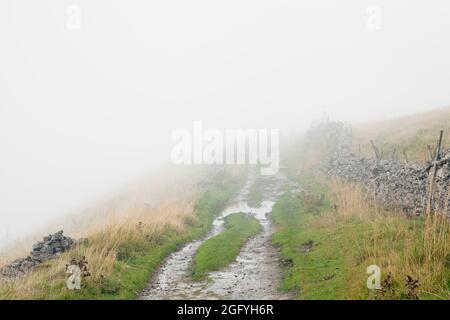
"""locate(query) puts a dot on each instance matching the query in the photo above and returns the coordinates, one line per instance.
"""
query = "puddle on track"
(254, 275)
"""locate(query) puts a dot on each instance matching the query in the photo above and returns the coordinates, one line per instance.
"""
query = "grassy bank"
(313, 254)
(221, 250)
(123, 255)
(330, 237)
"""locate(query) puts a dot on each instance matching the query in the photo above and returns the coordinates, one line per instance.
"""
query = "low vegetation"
(219, 251)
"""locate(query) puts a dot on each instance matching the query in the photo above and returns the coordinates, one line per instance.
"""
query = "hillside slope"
(126, 243)
(411, 134)
(334, 231)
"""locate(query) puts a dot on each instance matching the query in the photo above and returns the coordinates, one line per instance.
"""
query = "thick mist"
(91, 90)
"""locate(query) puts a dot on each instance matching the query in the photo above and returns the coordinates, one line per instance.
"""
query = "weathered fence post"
(433, 173)
(376, 151)
(405, 156)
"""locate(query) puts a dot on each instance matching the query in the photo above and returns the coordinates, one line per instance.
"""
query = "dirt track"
(254, 275)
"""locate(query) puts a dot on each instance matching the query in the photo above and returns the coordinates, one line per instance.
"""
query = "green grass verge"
(320, 273)
(335, 266)
(221, 250)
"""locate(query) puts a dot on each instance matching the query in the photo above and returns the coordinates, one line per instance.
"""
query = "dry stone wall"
(396, 185)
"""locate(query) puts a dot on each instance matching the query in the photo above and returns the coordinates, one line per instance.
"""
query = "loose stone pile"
(50, 247)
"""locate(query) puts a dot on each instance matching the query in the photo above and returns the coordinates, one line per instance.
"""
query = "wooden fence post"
(433, 173)
(405, 156)
(376, 151)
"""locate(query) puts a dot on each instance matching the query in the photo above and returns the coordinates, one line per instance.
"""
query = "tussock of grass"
(221, 250)
(400, 246)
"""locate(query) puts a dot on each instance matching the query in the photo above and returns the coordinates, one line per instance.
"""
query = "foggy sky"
(83, 111)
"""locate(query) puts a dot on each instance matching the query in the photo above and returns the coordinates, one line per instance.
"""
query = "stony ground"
(254, 275)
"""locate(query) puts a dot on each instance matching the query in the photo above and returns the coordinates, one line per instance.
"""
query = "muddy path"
(254, 275)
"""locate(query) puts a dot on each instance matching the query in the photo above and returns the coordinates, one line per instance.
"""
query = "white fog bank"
(91, 90)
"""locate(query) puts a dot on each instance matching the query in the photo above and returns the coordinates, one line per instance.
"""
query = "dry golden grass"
(350, 200)
(403, 247)
(137, 217)
(139, 225)
(142, 199)
(101, 261)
